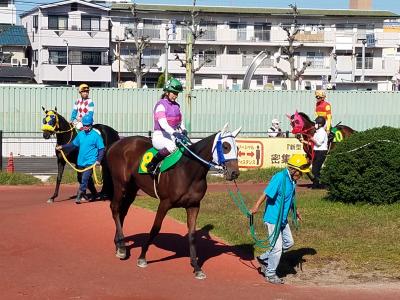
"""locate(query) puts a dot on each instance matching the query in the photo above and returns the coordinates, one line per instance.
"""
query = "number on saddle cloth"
(166, 163)
(337, 135)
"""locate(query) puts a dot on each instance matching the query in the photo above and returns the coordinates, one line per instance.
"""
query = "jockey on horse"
(168, 123)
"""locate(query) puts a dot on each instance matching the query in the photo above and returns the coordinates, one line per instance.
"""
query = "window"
(35, 21)
(91, 58)
(57, 57)
(369, 61)
(209, 31)
(151, 57)
(74, 6)
(316, 59)
(241, 30)
(262, 31)
(344, 28)
(3, 3)
(90, 23)
(58, 22)
(151, 28)
(35, 55)
(208, 58)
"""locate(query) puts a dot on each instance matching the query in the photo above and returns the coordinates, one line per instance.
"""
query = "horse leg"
(123, 210)
(192, 213)
(115, 206)
(161, 212)
(60, 171)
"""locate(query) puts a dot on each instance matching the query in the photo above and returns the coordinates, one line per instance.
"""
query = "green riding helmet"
(173, 85)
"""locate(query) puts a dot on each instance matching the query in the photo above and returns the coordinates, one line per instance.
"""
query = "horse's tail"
(110, 136)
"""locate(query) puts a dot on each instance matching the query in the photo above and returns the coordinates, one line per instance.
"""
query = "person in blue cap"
(91, 151)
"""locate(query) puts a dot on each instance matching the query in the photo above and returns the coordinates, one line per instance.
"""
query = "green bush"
(369, 174)
(17, 178)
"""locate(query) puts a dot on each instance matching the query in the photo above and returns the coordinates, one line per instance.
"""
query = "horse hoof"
(121, 253)
(50, 200)
(141, 263)
(200, 275)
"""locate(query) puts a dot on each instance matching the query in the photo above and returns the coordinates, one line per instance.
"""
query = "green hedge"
(370, 174)
(17, 178)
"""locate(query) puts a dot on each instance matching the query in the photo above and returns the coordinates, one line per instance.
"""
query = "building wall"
(8, 14)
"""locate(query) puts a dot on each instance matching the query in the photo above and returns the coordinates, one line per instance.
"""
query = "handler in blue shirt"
(280, 191)
(91, 151)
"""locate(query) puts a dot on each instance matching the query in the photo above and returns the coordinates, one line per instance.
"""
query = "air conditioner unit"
(24, 62)
(14, 62)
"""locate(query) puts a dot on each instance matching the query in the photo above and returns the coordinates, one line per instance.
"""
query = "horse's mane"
(197, 147)
(305, 116)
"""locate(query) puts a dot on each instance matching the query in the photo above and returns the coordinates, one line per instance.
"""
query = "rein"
(210, 164)
(96, 180)
(268, 243)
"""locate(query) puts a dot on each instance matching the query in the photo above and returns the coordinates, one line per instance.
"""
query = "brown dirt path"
(65, 251)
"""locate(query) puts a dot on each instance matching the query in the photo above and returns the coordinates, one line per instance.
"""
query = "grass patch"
(252, 175)
(363, 238)
(17, 179)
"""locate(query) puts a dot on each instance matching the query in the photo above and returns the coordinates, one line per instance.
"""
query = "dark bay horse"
(184, 185)
(303, 126)
(55, 124)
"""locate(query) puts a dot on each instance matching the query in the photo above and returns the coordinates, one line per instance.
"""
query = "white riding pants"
(160, 141)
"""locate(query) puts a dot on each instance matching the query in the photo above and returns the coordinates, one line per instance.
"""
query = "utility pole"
(189, 81)
(166, 53)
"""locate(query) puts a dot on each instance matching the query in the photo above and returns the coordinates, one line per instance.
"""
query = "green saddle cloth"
(338, 136)
(166, 163)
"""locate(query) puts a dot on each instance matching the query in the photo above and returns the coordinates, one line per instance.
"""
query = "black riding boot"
(152, 165)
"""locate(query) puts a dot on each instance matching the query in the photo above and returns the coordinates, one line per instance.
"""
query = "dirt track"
(66, 251)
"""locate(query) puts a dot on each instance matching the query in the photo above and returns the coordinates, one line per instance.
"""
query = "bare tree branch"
(284, 73)
(183, 62)
(206, 61)
(302, 70)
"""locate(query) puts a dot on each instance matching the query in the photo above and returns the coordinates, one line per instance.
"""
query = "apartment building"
(332, 40)
(70, 43)
(14, 47)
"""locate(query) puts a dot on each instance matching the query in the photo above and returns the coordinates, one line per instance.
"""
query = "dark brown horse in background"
(303, 126)
(184, 185)
(55, 124)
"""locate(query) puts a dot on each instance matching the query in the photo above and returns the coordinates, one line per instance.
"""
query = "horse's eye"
(226, 147)
(44, 120)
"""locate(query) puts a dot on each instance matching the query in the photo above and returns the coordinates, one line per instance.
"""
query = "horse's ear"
(225, 127)
(44, 109)
(236, 132)
(289, 116)
(55, 108)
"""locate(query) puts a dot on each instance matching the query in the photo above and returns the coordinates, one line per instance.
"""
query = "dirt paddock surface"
(66, 251)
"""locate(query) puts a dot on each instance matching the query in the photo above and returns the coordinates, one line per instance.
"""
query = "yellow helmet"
(83, 87)
(320, 94)
(299, 162)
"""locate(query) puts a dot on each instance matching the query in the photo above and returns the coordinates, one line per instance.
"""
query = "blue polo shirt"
(89, 145)
(274, 193)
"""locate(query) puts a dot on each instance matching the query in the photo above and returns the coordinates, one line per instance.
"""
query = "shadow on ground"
(206, 247)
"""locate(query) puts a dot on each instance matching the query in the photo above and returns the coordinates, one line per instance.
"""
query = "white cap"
(275, 121)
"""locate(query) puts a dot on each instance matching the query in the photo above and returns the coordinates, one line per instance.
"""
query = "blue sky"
(391, 5)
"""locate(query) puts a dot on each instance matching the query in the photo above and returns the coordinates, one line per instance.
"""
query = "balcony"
(82, 73)
(152, 33)
(247, 59)
(308, 37)
(262, 35)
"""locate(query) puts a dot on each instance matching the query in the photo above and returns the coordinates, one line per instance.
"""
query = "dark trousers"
(319, 158)
(86, 181)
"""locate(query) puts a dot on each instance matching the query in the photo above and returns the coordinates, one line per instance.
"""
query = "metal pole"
(363, 61)
(119, 62)
(67, 62)
(166, 54)
(1, 150)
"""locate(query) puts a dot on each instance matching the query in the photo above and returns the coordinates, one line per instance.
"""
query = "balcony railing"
(97, 60)
(316, 62)
(150, 62)
(75, 28)
(211, 60)
(369, 63)
(209, 35)
(152, 33)
(247, 59)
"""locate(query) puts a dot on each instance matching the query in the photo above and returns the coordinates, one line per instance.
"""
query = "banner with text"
(266, 152)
